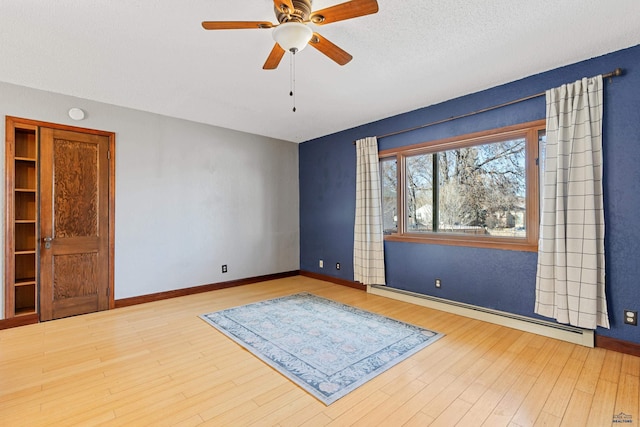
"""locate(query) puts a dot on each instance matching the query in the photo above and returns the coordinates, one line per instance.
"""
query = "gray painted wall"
(189, 197)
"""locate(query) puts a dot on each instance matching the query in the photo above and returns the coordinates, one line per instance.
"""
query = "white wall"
(189, 197)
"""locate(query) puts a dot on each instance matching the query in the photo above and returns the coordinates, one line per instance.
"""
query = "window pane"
(482, 189)
(389, 174)
(419, 193)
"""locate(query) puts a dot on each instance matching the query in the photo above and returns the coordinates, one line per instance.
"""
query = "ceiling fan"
(292, 32)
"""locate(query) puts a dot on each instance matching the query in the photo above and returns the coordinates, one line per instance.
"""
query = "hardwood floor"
(159, 364)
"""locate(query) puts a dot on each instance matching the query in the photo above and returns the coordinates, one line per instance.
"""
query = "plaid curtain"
(368, 244)
(570, 281)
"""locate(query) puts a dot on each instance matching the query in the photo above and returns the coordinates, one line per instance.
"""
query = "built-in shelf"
(26, 282)
(22, 219)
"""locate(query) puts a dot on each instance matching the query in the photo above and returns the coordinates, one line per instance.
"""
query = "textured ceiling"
(153, 55)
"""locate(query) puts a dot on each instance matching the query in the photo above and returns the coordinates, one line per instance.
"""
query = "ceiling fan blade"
(287, 3)
(274, 58)
(235, 25)
(342, 11)
(330, 49)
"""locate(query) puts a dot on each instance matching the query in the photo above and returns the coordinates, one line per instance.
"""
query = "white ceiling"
(153, 55)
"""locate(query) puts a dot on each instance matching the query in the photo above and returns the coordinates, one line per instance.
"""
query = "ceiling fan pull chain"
(292, 72)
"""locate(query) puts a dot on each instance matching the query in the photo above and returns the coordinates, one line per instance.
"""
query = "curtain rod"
(615, 73)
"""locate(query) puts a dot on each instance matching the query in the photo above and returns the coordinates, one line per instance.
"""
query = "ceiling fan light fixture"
(292, 36)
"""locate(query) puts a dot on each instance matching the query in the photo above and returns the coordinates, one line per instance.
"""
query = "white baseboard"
(585, 337)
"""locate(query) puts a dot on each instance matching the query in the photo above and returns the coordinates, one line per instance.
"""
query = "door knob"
(47, 242)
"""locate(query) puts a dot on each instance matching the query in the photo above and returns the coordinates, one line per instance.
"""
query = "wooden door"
(74, 223)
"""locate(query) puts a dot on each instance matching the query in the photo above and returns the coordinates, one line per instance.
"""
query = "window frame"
(530, 131)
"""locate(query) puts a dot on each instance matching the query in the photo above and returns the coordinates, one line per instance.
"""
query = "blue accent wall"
(499, 279)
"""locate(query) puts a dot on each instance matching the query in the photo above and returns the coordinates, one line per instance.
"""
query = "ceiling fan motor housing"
(301, 12)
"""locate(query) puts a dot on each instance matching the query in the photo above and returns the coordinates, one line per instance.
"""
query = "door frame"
(11, 122)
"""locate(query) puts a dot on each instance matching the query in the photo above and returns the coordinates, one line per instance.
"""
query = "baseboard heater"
(571, 334)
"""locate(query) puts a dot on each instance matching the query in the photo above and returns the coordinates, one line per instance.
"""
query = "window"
(474, 190)
(389, 176)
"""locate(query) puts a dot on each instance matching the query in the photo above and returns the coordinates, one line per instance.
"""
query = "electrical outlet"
(631, 317)
(224, 268)
(337, 266)
(321, 264)
(438, 283)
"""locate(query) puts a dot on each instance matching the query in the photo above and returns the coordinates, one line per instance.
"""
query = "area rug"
(326, 347)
